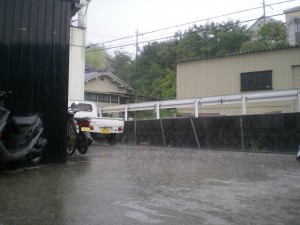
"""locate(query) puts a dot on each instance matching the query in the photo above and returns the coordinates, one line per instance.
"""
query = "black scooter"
(20, 136)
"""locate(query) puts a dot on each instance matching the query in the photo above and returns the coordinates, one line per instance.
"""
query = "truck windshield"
(84, 107)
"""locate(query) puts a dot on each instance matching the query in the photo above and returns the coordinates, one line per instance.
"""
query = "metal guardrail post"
(126, 113)
(244, 105)
(157, 111)
(196, 108)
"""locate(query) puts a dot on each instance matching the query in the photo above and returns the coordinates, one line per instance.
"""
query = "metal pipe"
(260, 96)
(196, 108)
(195, 134)
(162, 131)
(157, 111)
(126, 113)
(244, 105)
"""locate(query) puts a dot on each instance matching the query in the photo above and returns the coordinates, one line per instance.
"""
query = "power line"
(99, 5)
(163, 38)
(184, 24)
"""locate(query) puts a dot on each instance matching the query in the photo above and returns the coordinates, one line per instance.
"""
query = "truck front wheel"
(112, 139)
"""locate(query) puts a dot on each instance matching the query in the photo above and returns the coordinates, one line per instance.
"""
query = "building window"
(90, 96)
(114, 99)
(103, 98)
(123, 100)
(260, 80)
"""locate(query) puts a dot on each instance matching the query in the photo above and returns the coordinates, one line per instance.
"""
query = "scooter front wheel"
(36, 158)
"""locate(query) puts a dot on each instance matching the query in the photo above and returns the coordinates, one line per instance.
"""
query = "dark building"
(34, 56)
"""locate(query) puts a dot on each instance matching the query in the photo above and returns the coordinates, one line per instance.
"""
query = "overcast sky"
(114, 19)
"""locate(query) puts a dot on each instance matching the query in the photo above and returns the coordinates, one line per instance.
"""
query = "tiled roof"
(91, 74)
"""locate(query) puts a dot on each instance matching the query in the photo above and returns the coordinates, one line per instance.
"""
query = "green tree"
(121, 65)
(212, 39)
(95, 56)
(274, 34)
(165, 87)
(271, 35)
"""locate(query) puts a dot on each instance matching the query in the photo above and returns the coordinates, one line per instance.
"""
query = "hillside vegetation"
(153, 71)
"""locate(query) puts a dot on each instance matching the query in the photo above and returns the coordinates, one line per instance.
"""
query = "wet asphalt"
(129, 185)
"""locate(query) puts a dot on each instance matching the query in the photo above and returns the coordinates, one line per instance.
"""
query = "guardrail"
(260, 96)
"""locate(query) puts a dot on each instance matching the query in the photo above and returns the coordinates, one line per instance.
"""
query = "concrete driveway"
(128, 185)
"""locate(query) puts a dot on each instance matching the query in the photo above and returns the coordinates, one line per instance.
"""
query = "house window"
(123, 100)
(114, 99)
(260, 80)
(90, 96)
(103, 98)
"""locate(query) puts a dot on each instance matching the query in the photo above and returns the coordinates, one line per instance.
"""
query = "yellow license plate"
(104, 131)
(85, 129)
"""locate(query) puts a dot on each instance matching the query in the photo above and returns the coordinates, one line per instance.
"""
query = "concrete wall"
(77, 63)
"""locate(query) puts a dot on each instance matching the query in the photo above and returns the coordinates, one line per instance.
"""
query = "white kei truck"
(100, 127)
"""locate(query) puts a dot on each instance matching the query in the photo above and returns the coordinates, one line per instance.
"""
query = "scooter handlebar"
(4, 94)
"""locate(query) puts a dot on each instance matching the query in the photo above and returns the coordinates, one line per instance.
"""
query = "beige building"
(237, 74)
(105, 88)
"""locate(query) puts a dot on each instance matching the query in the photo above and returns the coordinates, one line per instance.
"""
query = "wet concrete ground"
(126, 185)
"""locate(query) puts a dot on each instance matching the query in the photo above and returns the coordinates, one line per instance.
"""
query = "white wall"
(77, 63)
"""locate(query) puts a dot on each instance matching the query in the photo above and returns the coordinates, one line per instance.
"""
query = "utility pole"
(136, 42)
(264, 8)
(82, 14)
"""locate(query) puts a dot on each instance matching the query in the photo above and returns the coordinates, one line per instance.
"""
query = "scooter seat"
(25, 120)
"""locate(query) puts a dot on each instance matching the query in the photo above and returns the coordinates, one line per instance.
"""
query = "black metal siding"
(34, 61)
(254, 133)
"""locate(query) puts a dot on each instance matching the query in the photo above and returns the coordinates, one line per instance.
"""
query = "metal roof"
(235, 54)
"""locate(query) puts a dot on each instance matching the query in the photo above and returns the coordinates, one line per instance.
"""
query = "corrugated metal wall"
(34, 60)
(222, 76)
(253, 133)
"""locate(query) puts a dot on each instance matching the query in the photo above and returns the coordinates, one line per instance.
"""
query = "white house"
(292, 18)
